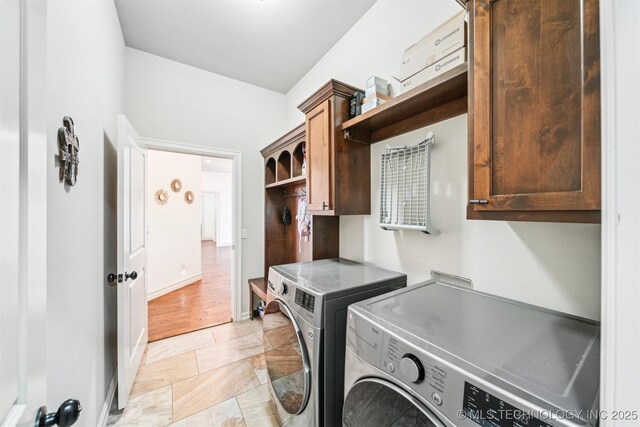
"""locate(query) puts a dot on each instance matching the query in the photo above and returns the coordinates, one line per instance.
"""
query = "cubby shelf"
(439, 99)
(287, 182)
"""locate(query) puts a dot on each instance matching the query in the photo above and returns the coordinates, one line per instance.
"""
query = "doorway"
(191, 252)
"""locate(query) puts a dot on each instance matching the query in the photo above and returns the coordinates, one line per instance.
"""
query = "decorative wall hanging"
(162, 197)
(176, 185)
(189, 197)
(68, 146)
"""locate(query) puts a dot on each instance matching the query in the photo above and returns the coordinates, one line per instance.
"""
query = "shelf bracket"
(355, 135)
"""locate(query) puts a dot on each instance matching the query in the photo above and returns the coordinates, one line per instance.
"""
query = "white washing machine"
(304, 334)
(437, 354)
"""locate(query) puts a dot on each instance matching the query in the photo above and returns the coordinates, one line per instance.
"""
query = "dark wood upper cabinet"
(534, 110)
(338, 172)
(319, 179)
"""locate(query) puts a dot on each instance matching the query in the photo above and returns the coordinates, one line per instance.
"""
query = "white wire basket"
(404, 187)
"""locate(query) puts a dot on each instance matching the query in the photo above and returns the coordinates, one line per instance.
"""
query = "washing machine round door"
(286, 357)
(373, 402)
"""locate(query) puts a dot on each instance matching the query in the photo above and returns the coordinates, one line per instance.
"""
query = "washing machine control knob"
(282, 288)
(411, 368)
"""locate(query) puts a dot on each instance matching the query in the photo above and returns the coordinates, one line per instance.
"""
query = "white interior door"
(132, 256)
(9, 206)
(209, 216)
(23, 160)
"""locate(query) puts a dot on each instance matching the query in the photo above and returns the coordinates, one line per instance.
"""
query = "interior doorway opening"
(190, 242)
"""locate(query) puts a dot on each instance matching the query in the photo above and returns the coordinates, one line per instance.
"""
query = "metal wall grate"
(404, 187)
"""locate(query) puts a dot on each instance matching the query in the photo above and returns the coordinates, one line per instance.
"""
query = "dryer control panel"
(304, 301)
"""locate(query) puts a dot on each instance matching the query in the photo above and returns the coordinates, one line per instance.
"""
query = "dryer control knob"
(411, 368)
(282, 288)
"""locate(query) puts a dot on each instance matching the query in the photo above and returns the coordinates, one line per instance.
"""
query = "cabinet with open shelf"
(284, 159)
(285, 187)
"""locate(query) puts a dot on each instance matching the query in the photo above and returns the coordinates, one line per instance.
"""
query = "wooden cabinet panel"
(319, 179)
(338, 172)
(535, 110)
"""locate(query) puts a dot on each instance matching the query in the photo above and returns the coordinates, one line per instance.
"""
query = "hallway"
(200, 305)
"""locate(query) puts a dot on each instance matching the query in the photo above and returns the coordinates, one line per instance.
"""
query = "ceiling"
(267, 43)
(215, 164)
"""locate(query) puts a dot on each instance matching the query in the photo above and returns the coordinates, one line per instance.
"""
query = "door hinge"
(478, 202)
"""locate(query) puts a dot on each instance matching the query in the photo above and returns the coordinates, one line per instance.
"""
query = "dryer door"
(378, 403)
(286, 357)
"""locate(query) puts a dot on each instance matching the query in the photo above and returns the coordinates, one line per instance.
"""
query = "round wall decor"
(161, 197)
(176, 185)
(189, 197)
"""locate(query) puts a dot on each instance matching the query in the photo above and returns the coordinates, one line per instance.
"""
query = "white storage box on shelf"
(451, 61)
(441, 42)
(370, 105)
(371, 91)
(376, 95)
(375, 81)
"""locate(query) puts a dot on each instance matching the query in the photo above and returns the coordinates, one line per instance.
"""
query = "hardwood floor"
(200, 305)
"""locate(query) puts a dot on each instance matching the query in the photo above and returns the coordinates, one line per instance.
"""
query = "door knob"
(66, 416)
(112, 278)
(133, 275)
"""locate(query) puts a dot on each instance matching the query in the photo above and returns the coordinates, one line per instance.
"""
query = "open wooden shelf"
(434, 101)
(259, 287)
(287, 182)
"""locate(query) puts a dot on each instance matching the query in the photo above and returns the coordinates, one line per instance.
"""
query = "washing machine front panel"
(373, 402)
(286, 357)
(458, 392)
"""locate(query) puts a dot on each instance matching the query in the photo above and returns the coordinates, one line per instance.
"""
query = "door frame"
(620, 349)
(236, 215)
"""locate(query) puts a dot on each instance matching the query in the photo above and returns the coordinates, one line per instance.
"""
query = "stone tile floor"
(211, 377)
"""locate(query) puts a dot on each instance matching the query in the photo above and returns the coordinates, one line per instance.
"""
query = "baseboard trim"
(175, 286)
(244, 316)
(102, 422)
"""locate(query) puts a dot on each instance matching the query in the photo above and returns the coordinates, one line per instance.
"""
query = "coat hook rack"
(300, 193)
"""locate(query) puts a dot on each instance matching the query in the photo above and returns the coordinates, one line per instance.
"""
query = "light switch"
(245, 235)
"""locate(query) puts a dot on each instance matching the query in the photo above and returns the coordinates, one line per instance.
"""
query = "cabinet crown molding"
(331, 88)
(298, 133)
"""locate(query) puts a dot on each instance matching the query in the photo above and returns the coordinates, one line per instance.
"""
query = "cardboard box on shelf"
(375, 81)
(445, 64)
(372, 104)
(376, 95)
(370, 91)
(441, 42)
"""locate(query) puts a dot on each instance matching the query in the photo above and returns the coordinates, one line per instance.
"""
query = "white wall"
(171, 101)
(85, 66)
(174, 247)
(220, 182)
(552, 265)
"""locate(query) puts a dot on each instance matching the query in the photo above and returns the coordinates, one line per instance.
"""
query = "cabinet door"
(535, 110)
(319, 159)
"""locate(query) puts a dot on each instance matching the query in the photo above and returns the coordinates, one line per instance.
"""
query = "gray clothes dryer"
(436, 354)
(304, 334)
